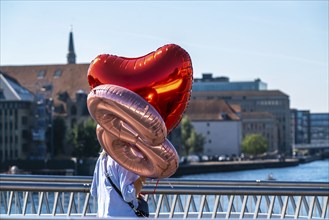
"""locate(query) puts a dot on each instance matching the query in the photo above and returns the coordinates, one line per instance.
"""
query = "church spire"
(71, 54)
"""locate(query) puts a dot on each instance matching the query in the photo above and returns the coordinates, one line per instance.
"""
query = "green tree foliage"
(192, 141)
(254, 144)
(84, 139)
(186, 129)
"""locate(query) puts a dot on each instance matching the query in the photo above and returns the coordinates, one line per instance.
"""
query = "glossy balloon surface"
(163, 78)
(132, 132)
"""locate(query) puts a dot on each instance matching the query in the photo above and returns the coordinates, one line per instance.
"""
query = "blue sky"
(284, 43)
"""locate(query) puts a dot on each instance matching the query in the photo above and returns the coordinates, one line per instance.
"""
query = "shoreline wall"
(86, 167)
(213, 167)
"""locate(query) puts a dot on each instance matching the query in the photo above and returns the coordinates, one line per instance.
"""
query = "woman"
(110, 203)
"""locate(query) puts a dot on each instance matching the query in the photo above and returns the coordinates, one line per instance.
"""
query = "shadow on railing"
(62, 196)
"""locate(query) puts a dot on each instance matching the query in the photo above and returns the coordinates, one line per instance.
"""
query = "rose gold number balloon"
(132, 132)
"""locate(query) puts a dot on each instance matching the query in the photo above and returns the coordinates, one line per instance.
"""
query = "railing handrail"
(161, 189)
(44, 178)
(23, 195)
(166, 181)
(169, 186)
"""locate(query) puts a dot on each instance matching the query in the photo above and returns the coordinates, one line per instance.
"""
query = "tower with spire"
(71, 54)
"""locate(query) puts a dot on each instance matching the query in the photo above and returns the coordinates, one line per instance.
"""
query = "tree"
(196, 142)
(186, 128)
(84, 139)
(254, 144)
(192, 141)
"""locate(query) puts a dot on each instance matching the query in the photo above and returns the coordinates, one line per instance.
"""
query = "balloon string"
(156, 186)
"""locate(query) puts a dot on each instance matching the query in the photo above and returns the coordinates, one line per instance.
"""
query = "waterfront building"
(16, 120)
(61, 89)
(220, 125)
(319, 129)
(65, 84)
(263, 123)
(210, 83)
(274, 102)
(300, 126)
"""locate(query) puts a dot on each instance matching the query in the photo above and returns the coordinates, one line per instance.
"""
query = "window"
(24, 120)
(57, 73)
(16, 118)
(25, 134)
(41, 74)
(25, 147)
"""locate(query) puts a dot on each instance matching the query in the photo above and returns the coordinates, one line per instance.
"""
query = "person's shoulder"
(102, 154)
(100, 158)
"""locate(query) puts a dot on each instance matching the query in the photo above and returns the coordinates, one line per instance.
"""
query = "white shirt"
(110, 203)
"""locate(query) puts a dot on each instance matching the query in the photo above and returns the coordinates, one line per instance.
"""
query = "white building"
(222, 137)
(219, 123)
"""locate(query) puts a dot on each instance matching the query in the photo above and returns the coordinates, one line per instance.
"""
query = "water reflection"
(316, 171)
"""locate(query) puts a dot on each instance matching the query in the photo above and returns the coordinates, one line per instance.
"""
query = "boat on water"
(271, 177)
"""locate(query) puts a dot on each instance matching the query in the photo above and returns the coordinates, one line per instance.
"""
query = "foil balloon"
(163, 78)
(132, 132)
(136, 103)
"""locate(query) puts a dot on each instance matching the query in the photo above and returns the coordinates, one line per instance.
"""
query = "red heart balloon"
(163, 78)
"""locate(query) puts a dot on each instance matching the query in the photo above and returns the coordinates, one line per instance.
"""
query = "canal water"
(316, 171)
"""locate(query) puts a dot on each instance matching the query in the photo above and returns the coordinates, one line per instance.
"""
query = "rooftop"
(11, 90)
(53, 80)
(217, 110)
(242, 93)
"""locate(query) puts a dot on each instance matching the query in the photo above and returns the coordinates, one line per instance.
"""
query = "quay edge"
(86, 166)
(214, 167)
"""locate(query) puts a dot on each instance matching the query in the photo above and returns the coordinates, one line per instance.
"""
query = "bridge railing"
(61, 196)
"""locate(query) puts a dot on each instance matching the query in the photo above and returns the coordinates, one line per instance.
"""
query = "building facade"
(263, 123)
(210, 83)
(300, 126)
(60, 90)
(220, 125)
(319, 128)
(274, 102)
(16, 120)
(221, 137)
